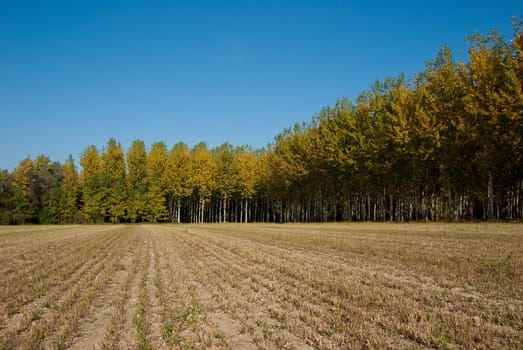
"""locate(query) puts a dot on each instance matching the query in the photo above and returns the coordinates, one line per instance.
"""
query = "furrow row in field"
(211, 283)
(376, 301)
(102, 326)
(25, 246)
(380, 276)
(125, 331)
(434, 251)
(184, 315)
(155, 284)
(141, 317)
(54, 322)
(60, 261)
(394, 288)
(267, 293)
(194, 318)
(24, 237)
(258, 287)
(284, 290)
(44, 287)
(68, 324)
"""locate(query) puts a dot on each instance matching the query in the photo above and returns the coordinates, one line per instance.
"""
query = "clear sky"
(75, 73)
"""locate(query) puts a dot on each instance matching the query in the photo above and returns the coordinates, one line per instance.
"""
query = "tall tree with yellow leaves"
(70, 191)
(157, 163)
(203, 178)
(226, 177)
(92, 185)
(178, 179)
(136, 157)
(248, 178)
(114, 171)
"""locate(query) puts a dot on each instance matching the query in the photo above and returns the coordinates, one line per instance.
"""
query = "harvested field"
(234, 286)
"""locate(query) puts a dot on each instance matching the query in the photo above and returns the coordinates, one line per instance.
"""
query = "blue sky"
(75, 73)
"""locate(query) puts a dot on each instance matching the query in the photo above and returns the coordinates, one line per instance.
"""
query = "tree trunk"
(391, 207)
(246, 215)
(242, 210)
(490, 197)
(416, 204)
(450, 204)
(178, 211)
(202, 207)
(368, 218)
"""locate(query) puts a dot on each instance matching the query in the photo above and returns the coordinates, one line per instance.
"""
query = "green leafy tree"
(248, 178)
(33, 184)
(6, 197)
(137, 181)
(157, 163)
(92, 183)
(203, 177)
(70, 189)
(24, 196)
(64, 199)
(445, 144)
(226, 176)
(114, 172)
(155, 204)
(490, 91)
(48, 177)
(178, 179)
(442, 101)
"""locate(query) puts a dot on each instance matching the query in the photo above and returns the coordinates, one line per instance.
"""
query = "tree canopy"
(445, 144)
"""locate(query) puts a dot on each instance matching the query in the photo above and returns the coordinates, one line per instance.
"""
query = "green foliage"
(155, 205)
(92, 183)
(203, 170)
(445, 144)
(114, 173)
(6, 197)
(136, 181)
(70, 190)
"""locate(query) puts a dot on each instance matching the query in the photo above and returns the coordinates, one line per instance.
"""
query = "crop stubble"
(231, 286)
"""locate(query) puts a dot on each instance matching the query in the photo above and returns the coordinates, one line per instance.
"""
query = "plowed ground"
(227, 286)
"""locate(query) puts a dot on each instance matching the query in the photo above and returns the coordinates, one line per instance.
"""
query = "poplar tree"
(69, 189)
(92, 185)
(6, 197)
(445, 144)
(24, 198)
(248, 172)
(203, 178)
(226, 177)
(114, 173)
(136, 181)
(178, 179)
(443, 95)
(157, 160)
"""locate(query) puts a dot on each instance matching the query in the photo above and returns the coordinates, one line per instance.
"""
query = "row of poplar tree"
(445, 144)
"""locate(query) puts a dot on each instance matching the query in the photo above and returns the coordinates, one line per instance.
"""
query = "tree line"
(444, 144)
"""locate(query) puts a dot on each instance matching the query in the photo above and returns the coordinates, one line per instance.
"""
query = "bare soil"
(250, 286)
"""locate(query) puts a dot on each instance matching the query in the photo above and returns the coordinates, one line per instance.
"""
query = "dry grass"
(328, 286)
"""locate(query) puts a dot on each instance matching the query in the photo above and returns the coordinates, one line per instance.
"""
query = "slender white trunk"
(202, 207)
(225, 208)
(246, 215)
(450, 204)
(241, 210)
(178, 211)
(391, 208)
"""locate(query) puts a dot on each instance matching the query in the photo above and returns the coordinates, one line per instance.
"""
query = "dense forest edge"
(442, 145)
